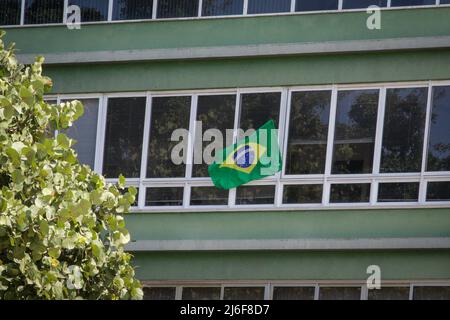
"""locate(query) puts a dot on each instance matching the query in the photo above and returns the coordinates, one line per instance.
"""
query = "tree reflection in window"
(222, 7)
(132, 9)
(92, 10)
(44, 11)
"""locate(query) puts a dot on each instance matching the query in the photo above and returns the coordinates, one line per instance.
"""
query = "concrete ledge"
(263, 50)
(290, 244)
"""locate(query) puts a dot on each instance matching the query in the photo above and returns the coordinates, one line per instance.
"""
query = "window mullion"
(200, 5)
(232, 193)
(192, 136)
(422, 187)
(110, 10)
(155, 8)
(379, 132)
(66, 5)
(101, 137)
(98, 138)
(293, 5)
(144, 156)
(245, 9)
(282, 132)
(22, 13)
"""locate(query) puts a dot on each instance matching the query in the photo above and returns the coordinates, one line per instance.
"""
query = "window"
(308, 132)
(258, 108)
(438, 191)
(10, 10)
(164, 196)
(293, 293)
(348, 193)
(201, 293)
(92, 10)
(123, 137)
(268, 6)
(132, 9)
(84, 131)
(398, 192)
(208, 196)
(159, 293)
(439, 139)
(431, 293)
(404, 124)
(243, 293)
(302, 194)
(389, 293)
(339, 293)
(404, 3)
(222, 7)
(354, 137)
(168, 114)
(177, 8)
(44, 11)
(316, 5)
(247, 195)
(445, 2)
(357, 4)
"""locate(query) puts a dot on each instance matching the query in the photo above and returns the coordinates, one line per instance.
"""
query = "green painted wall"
(231, 31)
(395, 265)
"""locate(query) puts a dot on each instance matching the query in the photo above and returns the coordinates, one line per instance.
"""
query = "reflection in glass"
(168, 114)
(308, 132)
(398, 192)
(10, 12)
(258, 108)
(302, 193)
(208, 196)
(215, 112)
(438, 191)
(316, 5)
(132, 9)
(243, 293)
(92, 10)
(349, 193)
(389, 293)
(268, 6)
(439, 140)
(159, 293)
(354, 137)
(177, 8)
(404, 123)
(247, 195)
(222, 7)
(357, 4)
(201, 293)
(431, 293)
(84, 131)
(124, 133)
(44, 11)
(164, 196)
(404, 3)
(339, 293)
(293, 293)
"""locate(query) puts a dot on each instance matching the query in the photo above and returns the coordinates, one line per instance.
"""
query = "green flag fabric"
(251, 158)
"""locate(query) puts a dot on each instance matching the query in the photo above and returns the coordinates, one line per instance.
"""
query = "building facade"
(362, 103)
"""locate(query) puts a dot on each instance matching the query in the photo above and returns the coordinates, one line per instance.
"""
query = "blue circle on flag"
(244, 157)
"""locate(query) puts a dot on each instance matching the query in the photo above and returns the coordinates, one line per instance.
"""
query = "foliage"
(62, 233)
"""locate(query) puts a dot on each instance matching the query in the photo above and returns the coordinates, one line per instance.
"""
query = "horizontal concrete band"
(290, 244)
(262, 50)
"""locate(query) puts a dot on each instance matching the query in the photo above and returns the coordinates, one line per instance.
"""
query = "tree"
(62, 233)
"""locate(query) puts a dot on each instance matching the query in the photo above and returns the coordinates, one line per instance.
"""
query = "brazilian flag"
(252, 158)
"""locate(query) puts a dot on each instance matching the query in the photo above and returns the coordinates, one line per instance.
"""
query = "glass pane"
(268, 6)
(402, 3)
(258, 108)
(316, 5)
(132, 9)
(438, 191)
(431, 293)
(159, 293)
(222, 7)
(308, 132)
(302, 193)
(243, 293)
(167, 196)
(217, 113)
(439, 141)
(84, 131)
(354, 138)
(205, 293)
(168, 114)
(293, 293)
(124, 133)
(398, 192)
(339, 293)
(177, 8)
(92, 10)
(255, 195)
(445, 2)
(208, 196)
(44, 11)
(356, 4)
(404, 123)
(10, 12)
(347, 193)
(389, 293)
